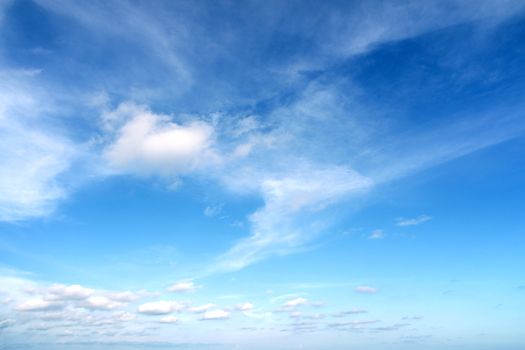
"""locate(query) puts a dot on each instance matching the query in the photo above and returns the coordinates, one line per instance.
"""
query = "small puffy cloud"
(100, 302)
(169, 319)
(365, 290)
(161, 307)
(182, 287)
(149, 143)
(72, 292)
(377, 234)
(414, 221)
(38, 305)
(215, 315)
(245, 306)
(202, 308)
(295, 302)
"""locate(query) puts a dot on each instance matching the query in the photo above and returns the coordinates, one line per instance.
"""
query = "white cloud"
(71, 300)
(202, 308)
(72, 292)
(365, 290)
(245, 306)
(183, 287)
(123, 297)
(377, 234)
(147, 143)
(38, 305)
(414, 221)
(161, 307)
(292, 199)
(169, 319)
(38, 152)
(99, 302)
(28, 180)
(295, 302)
(215, 315)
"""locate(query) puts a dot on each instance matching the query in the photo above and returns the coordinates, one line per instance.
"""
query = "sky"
(262, 175)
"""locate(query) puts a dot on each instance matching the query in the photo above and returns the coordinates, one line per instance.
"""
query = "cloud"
(162, 307)
(4, 323)
(365, 290)
(146, 143)
(169, 319)
(215, 315)
(390, 328)
(99, 302)
(302, 327)
(38, 152)
(377, 234)
(182, 287)
(38, 305)
(350, 312)
(387, 22)
(295, 303)
(300, 315)
(211, 211)
(72, 292)
(202, 308)
(284, 224)
(413, 222)
(124, 297)
(352, 324)
(126, 316)
(244, 306)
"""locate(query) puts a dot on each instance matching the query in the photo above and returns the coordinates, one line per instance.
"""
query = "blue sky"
(262, 175)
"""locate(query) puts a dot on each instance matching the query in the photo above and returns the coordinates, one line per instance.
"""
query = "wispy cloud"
(377, 234)
(212, 210)
(414, 221)
(285, 222)
(365, 290)
(38, 153)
